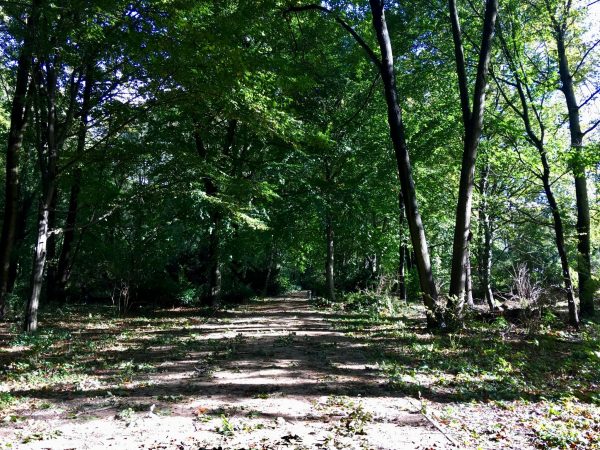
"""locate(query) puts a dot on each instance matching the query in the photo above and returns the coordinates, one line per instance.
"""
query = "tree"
(473, 125)
(562, 24)
(529, 107)
(19, 116)
(386, 68)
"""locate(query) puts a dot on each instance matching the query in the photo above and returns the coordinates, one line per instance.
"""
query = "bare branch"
(589, 99)
(590, 129)
(585, 55)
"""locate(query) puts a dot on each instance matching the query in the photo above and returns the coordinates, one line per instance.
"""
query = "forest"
(283, 224)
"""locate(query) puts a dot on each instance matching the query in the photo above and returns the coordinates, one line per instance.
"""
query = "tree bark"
(417, 232)
(51, 262)
(18, 123)
(214, 260)
(37, 274)
(473, 125)
(270, 265)
(586, 290)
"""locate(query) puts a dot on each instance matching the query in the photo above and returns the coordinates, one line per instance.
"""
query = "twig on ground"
(434, 423)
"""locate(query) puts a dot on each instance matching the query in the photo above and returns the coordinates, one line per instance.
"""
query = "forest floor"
(285, 373)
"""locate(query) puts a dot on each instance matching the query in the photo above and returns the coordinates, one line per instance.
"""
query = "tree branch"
(313, 7)
(585, 55)
(591, 128)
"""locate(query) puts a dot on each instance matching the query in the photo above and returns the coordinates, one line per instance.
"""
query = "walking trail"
(274, 374)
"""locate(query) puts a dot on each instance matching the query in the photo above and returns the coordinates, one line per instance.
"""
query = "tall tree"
(486, 237)
(397, 133)
(385, 65)
(532, 90)
(67, 252)
(48, 149)
(472, 116)
(18, 121)
(561, 20)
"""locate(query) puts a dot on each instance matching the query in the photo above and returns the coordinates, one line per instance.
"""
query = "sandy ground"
(283, 379)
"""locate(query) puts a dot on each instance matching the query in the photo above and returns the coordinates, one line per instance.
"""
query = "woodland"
(282, 191)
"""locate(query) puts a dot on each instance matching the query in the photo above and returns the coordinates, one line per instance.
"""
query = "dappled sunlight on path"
(271, 374)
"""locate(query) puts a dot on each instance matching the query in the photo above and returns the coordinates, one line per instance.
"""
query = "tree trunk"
(67, 252)
(402, 272)
(486, 232)
(417, 233)
(469, 282)
(329, 262)
(51, 250)
(473, 125)
(214, 259)
(39, 262)
(270, 264)
(586, 290)
(18, 122)
(538, 142)
(211, 189)
(401, 251)
(21, 234)
(559, 238)
(48, 162)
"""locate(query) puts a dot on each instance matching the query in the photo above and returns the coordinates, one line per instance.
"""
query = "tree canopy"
(195, 151)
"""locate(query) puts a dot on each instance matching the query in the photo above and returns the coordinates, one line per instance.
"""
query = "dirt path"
(272, 375)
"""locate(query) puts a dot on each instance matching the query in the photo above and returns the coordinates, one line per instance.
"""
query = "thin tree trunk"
(586, 290)
(21, 234)
(214, 262)
(473, 125)
(269, 268)
(67, 252)
(329, 262)
(417, 233)
(538, 142)
(486, 232)
(469, 282)
(559, 237)
(402, 272)
(401, 250)
(48, 164)
(37, 274)
(18, 123)
(51, 250)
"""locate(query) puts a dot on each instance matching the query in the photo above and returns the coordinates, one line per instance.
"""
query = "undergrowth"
(496, 365)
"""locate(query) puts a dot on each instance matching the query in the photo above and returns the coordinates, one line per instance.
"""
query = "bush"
(367, 302)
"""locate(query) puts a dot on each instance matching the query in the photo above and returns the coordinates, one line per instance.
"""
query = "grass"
(94, 350)
(547, 378)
